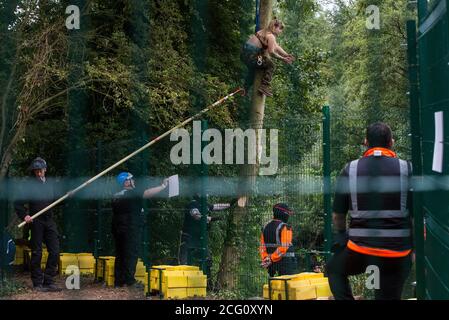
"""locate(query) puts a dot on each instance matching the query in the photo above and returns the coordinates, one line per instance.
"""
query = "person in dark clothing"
(276, 248)
(374, 190)
(190, 244)
(40, 192)
(127, 209)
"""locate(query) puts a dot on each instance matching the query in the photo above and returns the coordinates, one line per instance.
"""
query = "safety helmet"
(282, 211)
(37, 164)
(122, 177)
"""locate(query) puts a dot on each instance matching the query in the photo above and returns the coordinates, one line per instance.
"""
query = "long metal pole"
(85, 184)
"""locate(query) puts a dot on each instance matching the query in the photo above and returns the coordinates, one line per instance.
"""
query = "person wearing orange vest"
(276, 248)
(374, 190)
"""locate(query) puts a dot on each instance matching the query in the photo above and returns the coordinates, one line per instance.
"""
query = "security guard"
(276, 248)
(191, 231)
(374, 190)
(40, 193)
(127, 208)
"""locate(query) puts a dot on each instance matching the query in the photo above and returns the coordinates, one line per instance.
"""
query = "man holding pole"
(190, 242)
(39, 210)
(39, 194)
(127, 208)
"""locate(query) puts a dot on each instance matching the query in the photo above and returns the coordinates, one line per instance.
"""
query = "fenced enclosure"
(85, 220)
(304, 179)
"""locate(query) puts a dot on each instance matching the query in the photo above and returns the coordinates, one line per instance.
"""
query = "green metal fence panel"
(433, 42)
(415, 126)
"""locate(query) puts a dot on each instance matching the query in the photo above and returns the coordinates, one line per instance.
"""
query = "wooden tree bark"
(229, 268)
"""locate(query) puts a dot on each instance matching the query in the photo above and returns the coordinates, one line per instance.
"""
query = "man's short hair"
(378, 135)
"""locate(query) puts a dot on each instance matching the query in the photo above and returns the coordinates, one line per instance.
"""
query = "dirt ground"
(89, 290)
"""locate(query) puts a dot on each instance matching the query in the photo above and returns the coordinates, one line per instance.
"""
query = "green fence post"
(75, 212)
(98, 231)
(422, 10)
(327, 182)
(146, 225)
(204, 209)
(415, 125)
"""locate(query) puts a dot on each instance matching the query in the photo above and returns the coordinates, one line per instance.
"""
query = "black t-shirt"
(127, 206)
(37, 194)
(192, 218)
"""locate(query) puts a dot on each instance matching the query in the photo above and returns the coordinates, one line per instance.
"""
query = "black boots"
(265, 90)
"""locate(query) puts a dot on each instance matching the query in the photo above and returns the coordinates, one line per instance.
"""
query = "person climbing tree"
(257, 53)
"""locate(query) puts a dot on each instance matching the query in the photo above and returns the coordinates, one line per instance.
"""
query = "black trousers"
(190, 253)
(44, 231)
(126, 240)
(393, 273)
(286, 266)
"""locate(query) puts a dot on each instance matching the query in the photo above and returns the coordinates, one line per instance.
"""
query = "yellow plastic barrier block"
(186, 268)
(280, 284)
(86, 261)
(18, 259)
(109, 271)
(265, 292)
(105, 267)
(165, 267)
(140, 269)
(156, 271)
(308, 275)
(323, 290)
(298, 284)
(173, 279)
(196, 292)
(198, 280)
(110, 281)
(176, 293)
(66, 260)
(154, 284)
(318, 281)
(277, 294)
(297, 290)
(302, 293)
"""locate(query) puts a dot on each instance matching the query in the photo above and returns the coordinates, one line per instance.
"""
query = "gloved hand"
(266, 262)
(340, 241)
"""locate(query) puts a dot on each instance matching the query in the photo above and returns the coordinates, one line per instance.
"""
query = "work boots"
(265, 90)
(51, 288)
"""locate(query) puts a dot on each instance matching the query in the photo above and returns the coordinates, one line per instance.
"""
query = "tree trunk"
(7, 156)
(229, 268)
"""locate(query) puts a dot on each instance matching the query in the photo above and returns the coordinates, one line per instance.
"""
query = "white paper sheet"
(438, 148)
(173, 186)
